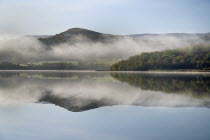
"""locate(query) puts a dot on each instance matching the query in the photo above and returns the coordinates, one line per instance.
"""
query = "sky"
(46, 17)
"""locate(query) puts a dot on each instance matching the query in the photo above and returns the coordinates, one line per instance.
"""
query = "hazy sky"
(109, 16)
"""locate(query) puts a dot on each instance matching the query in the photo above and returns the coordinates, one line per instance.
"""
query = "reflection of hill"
(190, 84)
(79, 104)
(75, 104)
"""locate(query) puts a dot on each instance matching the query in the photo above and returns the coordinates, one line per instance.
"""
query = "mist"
(29, 49)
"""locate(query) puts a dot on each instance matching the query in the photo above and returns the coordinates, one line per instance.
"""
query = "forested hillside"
(194, 57)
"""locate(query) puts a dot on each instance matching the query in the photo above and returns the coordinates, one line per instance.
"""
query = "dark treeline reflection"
(196, 85)
(80, 91)
(49, 74)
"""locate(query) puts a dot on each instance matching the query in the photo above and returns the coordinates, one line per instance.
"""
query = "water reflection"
(196, 85)
(80, 91)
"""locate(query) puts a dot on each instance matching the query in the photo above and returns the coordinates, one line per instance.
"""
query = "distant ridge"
(205, 36)
(75, 35)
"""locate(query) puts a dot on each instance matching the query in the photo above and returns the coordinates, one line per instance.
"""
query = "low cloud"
(29, 49)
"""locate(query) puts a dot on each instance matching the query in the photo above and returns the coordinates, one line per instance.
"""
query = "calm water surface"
(77, 105)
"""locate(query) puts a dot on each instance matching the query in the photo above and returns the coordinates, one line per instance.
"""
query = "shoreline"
(108, 71)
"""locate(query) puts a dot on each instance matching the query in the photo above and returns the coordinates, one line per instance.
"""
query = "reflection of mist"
(86, 90)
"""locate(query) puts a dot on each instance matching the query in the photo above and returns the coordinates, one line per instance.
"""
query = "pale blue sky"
(108, 16)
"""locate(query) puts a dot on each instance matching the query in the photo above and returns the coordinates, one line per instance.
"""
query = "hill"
(74, 35)
(195, 57)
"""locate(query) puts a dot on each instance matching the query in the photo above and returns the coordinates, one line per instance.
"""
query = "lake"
(97, 105)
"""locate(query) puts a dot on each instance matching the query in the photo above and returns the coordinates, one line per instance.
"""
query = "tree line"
(53, 66)
(194, 57)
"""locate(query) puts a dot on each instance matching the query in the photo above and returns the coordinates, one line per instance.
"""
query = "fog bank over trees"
(83, 45)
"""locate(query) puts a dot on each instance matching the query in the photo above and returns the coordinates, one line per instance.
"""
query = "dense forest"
(194, 57)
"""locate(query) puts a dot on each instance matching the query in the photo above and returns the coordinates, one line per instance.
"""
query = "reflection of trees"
(193, 85)
(51, 74)
(9, 74)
